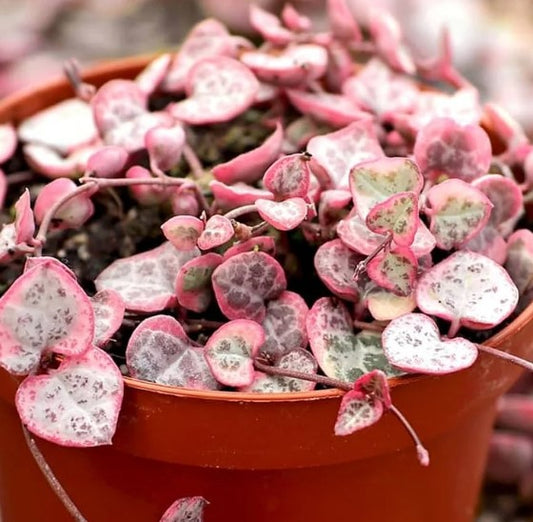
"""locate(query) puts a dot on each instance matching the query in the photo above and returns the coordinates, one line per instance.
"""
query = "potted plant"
(244, 256)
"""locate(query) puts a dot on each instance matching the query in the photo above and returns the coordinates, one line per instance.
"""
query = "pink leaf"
(71, 214)
(219, 89)
(64, 127)
(8, 144)
(160, 351)
(151, 77)
(292, 67)
(445, 148)
(183, 231)
(250, 166)
(297, 360)
(395, 270)
(245, 281)
(519, 262)
(3, 188)
(269, 26)
(397, 215)
(230, 351)
(288, 177)
(294, 20)
(108, 162)
(282, 215)
(468, 289)
(148, 194)
(335, 265)
(76, 405)
(385, 306)
(458, 211)
(24, 223)
(43, 310)
(146, 281)
(254, 244)
(375, 181)
(488, 242)
(413, 343)
(164, 146)
(340, 151)
(218, 230)
(357, 411)
(189, 509)
(332, 206)
(374, 383)
(284, 324)
(193, 283)
(503, 125)
(238, 195)
(108, 315)
(184, 202)
(342, 21)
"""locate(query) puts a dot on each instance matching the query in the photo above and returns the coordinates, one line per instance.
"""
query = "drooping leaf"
(43, 310)
(412, 342)
(244, 282)
(218, 230)
(109, 311)
(107, 162)
(374, 383)
(394, 270)
(76, 405)
(188, 509)
(269, 26)
(228, 197)
(257, 243)
(288, 177)
(183, 231)
(8, 143)
(357, 411)
(294, 20)
(282, 215)
(332, 206)
(24, 221)
(230, 351)
(151, 77)
(160, 351)
(165, 146)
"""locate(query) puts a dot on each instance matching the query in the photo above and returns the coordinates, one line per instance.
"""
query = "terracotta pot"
(264, 458)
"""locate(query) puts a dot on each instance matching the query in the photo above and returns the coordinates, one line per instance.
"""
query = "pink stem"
(421, 451)
(84, 91)
(241, 211)
(506, 356)
(24, 176)
(371, 327)
(194, 163)
(361, 267)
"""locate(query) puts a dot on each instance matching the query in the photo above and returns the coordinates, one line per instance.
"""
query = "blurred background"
(491, 41)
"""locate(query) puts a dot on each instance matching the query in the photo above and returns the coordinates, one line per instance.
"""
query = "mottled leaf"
(395, 270)
(218, 230)
(282, 215)
(109, 311)
(183, 231)
(188, 509)
(357, 411)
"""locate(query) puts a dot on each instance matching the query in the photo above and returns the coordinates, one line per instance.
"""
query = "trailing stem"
(361, 267)
(506, 356)
(421, 451)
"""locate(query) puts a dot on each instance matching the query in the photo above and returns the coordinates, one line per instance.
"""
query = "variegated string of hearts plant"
(372, 212)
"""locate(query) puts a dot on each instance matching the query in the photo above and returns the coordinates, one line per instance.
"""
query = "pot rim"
(133, 65)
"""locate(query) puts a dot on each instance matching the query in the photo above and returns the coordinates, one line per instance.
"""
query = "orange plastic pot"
(264, 458)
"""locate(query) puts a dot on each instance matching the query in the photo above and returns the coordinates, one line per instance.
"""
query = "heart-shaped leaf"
(76, 405)
(219, 89)
(151, 77)
(183, 231)
(146, 281)
(228, 197)
(375, 383)
(288, 177)
(160, 351)
(108, 315)
(284, 325)
(297, 360)
(340, 353)
(188, 509)
(335, 265)
(519, 262)
(397, 215)
(338, 152)
(108, 162)
(458, 211)
(184, 201)
(395, 270)
(164, 146)
(231, 349)
(24, 221)
(245, 281)
(250, 166)
(383, 305)
(193, 283)
(445, 148)
(413, 343)
(282, 215)
(43, 310)
(376, 181)
(64, 127)
(357, 411)
(468, 289)
(218, 230)
(8, 143)
(269, 26)
(254, 244)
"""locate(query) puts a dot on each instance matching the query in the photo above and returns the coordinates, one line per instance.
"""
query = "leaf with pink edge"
(519, 262)
(148, 194)
(332, 206)
(243, 282)
(8, 143)
(443, 148)
(151, 77)
(383, 305)
(269, 26)
(397, 215)
(3, 188)
(338, 152)
(413, 343)
(109, 311)
(188, 509)
(296, 360)
(282, 215)
(254, 244)
(375, 181)
(336, 110)
(108, 162)
(395, 270)
(159, 351)
(340, 353)
(335, 264)
(489, 242)
(64, 127)
(76, 405)
(458, 211)
(291, 67)
(184, 201)
(289, 176)
(183, 231)
(193, 283)
(342, 22)
(232, 196)
(294, 20)
(250, 166)
(284, 325)
(71, 214)
(467, 289)
(165, 146)
(231, 349)
(503, 125)
(146, 281)
(219, 89)
(218, 230)
(24, 221)
(357, 411)
(43, 310)
(375, 384)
